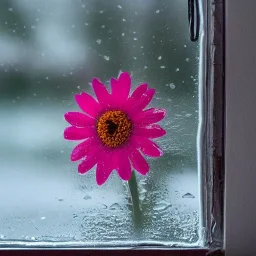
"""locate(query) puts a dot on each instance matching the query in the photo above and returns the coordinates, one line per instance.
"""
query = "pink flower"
(116, 129)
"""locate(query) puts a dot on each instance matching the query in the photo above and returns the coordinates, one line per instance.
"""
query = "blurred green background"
(50, 50)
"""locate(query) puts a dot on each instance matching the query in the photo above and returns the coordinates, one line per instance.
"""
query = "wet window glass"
(50, 50)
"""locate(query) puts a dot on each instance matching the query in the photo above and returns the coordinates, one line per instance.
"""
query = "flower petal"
(100, 91)
(104, 168)
(123, 165)
(139, 91)
(151, 131)
(82, 149)
(150, 116)
(79, 119)
(138, 161)
(88, 104)
(87, 164)
(144, 100)
(75, 133)
(147, 146)
(121, 87)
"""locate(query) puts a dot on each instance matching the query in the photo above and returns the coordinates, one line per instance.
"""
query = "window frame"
(212, 145)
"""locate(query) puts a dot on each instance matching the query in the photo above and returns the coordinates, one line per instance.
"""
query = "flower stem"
(137, 215)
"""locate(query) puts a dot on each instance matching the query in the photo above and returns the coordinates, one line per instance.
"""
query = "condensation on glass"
(50, 50)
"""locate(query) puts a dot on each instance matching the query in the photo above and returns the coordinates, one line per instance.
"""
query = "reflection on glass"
(50, 50)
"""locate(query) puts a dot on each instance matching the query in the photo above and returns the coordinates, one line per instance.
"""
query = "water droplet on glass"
(119, 6)
(187, 59)
(159, 58)
(61, 200)
(98, 41)
(135, 38)
(172, 85)
(106, 57)
(163, 66)
(87, 197)
(157, 11)
(101, 11)
(33, 26)
(162, 206)
(185, 45)
(43, 218)
(177, 70)
(103, 26)
(188, 195)
(123, 20)
(123, 34)
(10, 9)
(115, 206)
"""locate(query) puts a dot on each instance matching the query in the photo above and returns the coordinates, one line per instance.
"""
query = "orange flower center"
(114, 128)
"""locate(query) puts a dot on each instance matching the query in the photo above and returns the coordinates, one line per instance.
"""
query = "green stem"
(137, 215)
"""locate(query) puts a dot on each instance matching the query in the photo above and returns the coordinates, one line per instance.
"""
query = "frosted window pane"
(50, 50)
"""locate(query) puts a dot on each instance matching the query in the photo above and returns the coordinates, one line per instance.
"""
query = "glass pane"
(50, 50)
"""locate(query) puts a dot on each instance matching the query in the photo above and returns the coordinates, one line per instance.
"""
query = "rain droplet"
(115, 206)
(162, 207)
(119, 6)
(103, 26)
(177, 70)
(187, 59)
(188, 195)
(157, 11)
(43, 218)
(106, 58)
(124, 20)
(98, 41)
(159, 58)
(123, 34)
(172, 85)
(135, 38)
(87, 197)
(101, 11)
(163, 66)
(10, 9)
(61, 200)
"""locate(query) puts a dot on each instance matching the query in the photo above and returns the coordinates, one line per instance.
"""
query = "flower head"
(116, 129)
